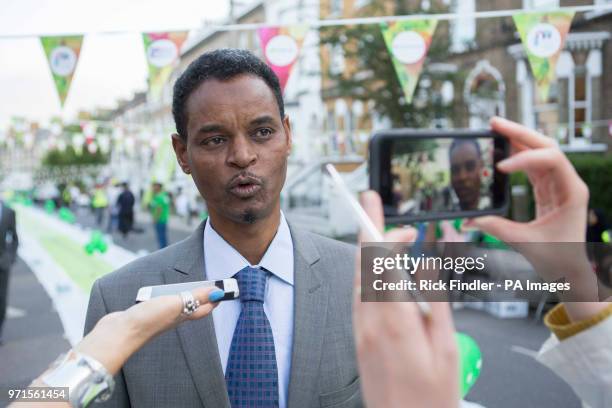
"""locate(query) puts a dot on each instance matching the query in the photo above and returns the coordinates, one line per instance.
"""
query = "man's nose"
(461, 174)
(242, 152)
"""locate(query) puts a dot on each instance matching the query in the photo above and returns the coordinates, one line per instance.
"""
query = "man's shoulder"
(322, 243)
(333, 255)
(147, 268)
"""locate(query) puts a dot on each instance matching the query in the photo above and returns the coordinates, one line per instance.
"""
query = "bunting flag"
(408, 43)
(162, 51)
(543, 36)
(62, 55)
(281, 47)
(164, 161)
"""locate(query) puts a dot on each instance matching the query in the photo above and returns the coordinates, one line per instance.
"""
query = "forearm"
(582, 300)
(122, 335)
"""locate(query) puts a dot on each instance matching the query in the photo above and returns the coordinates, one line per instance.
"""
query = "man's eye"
(263, 133)
(470, 165)
(213, 141)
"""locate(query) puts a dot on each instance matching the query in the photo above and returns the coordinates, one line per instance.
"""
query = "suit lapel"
(311, 296)
(198, 339)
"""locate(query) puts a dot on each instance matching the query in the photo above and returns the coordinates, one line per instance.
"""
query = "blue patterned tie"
(251, 374)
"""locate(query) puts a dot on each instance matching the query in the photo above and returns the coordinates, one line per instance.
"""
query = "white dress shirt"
(223, 261)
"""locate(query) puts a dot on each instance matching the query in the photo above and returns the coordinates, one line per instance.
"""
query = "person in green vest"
(99, 202)
(160, 210)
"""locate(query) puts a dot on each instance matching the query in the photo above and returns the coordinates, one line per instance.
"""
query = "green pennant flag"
(408, 43)
(62, 55)
(162, 51)
(543, 36)
(164, 161)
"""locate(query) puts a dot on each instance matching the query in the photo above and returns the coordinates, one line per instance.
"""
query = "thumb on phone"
(501, 228)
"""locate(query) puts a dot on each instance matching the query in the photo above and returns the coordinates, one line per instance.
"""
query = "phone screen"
(421, 177)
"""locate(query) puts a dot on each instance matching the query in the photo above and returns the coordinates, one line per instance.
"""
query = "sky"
(111, 65)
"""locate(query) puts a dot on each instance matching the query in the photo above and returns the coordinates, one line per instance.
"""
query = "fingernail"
(505, 162)
(216, 296)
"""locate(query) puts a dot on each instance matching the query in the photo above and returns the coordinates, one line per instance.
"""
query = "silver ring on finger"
(190, 304)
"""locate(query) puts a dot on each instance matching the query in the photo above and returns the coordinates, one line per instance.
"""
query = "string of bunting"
(407, 38)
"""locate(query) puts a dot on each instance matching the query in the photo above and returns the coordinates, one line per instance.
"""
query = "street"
(33, 335)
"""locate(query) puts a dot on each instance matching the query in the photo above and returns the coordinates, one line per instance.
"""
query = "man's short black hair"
(458, 142)
(222, 64)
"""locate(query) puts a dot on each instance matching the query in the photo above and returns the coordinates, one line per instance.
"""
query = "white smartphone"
(229, 286)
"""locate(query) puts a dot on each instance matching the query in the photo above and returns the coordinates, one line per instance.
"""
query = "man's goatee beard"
(249, 217)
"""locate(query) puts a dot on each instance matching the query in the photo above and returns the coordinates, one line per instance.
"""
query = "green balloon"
(96, 243)
(66, 215)
(470, 362)
(49, 206)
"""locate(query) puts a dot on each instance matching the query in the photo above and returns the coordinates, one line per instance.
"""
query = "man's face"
(466, 168)
(237, 147)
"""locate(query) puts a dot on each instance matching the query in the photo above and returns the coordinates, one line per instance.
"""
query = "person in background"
(466, 170)
(160, 210)
(8, 254)
(125, 209)
(74, 195)
(112, 192)
(596, 225)
(99, 203)
(66, 196)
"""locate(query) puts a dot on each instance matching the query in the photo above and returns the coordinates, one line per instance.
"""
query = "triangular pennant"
(543, 36)
(408, 43)
(162, 51)
(281, 47)
(62, 55)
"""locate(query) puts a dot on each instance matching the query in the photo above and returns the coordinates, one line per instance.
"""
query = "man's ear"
(287, 127)
(180, 149)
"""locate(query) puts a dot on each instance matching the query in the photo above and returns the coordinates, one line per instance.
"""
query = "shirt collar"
(223, 260)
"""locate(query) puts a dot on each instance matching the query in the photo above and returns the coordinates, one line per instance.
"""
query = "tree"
(365, 49)
(69, 157)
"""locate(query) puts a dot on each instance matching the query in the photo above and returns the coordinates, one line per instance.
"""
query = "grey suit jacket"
(8, 238)
(182, 368)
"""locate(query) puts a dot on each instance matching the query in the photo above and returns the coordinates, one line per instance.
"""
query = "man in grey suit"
(8, 254)
(288, 341)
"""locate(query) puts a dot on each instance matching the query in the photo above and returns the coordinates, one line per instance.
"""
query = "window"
(547, 113)
(463, 29)
(336, 59)
(540, 4)
(581, 101)
(361, 3)
(567, 113)
(336, 7)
